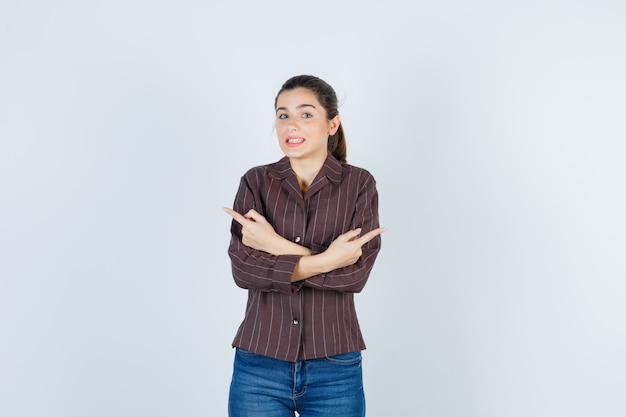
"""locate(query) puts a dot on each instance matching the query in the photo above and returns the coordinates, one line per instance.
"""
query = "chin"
(292, 154)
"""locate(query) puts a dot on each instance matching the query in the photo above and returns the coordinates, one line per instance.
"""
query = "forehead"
(296, 97)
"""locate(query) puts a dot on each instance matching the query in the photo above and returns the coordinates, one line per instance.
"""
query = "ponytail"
(337, 145)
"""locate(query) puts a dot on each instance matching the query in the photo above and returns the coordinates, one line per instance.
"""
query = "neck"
(306, 171)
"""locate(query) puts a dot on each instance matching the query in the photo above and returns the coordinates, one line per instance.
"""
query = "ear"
(333, 125)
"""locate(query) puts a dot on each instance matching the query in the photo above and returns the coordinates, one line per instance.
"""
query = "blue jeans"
(268, 387)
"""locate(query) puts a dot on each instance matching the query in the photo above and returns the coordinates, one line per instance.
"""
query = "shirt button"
(295, 321)
(298, 239)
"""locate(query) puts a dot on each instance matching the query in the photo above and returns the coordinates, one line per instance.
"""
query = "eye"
(282, 116)
(307, 115)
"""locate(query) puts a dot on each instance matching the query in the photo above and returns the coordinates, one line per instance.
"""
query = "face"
(302, 125)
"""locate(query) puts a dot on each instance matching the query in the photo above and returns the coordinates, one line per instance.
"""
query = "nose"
(292, 125)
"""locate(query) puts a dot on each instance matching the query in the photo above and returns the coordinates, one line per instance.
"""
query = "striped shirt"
(315, 317)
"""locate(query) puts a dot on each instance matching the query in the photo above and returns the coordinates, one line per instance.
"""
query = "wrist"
(321, 262)
(308, 266)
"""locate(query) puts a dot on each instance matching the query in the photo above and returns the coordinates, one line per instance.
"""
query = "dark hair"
(328, 99)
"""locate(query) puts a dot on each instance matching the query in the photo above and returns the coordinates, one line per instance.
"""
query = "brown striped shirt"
(315, 317)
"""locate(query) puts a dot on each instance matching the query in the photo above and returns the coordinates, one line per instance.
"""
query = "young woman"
(304, 239)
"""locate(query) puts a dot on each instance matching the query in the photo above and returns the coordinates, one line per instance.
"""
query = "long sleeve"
(354, 277)
(254, 269)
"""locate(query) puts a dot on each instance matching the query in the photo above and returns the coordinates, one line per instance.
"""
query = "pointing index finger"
(238, 217)
(370, 235)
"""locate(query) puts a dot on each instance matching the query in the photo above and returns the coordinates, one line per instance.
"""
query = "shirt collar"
(332, 169)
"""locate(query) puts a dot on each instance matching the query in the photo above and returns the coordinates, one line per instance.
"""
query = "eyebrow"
(299, 106)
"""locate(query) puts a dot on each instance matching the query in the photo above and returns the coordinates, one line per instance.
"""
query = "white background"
(495, 129)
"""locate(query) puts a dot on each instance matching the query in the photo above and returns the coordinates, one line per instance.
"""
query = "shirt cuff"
(283, 270)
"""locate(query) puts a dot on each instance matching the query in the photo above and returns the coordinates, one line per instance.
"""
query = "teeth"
(300, 140)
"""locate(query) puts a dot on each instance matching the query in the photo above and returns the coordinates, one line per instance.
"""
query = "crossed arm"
(345, 250)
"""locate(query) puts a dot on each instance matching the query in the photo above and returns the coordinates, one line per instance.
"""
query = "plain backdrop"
(495, 129)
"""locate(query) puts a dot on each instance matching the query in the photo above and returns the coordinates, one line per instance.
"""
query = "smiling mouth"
(295, 140)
